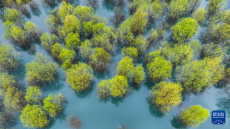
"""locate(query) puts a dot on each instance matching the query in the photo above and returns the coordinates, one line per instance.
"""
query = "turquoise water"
(134, 110)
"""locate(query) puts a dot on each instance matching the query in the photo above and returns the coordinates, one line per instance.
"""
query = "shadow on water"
(117, 101)
(108, 5)
(224, 104)
(87, 92)
(36, 12)
(102, 75)
(154, 111)
(177, 124)
(147, 83)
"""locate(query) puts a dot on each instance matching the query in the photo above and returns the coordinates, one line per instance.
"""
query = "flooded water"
(134, 110)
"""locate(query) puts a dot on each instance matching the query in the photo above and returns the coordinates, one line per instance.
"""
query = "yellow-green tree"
(118, 86)
(64, 10)
(103, 89)
(184, 29)
(195, 76)
(6, 81)
(13, 15)
(32, 116)
(178, 8)
(9, 57)
(72, 41)
(33, 94)
(159, 69)
(85, 49)
(141, 44)
(194, 115)
(41, 70)
(200, 15)
(138, 75)
(53, 104)
(165, 95)
(125, 67)
(80, 76)
(100, 59)
(103, 41)
(84, 13)
(33, 30)
(71, 24)
(48, 41)
(130, 52)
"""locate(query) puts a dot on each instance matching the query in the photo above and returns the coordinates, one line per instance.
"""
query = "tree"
(102, 40)
(80, 76)
(103, 89)
(33, 30)
(18, 34)
(178, 8)
(6, 81)
(72, 41)
(220, 34)
(66, 54)
(156, 10)
(53, 104)
(141, 44)
(86, 49)
(118, 16)
(159, 69)
(118, 86)
(125, 67)
(196, 76)
(214, 6)
(152, 55)
(100, 59)
(181, 54)
(33, 94)
(71, 24)
(64, 10)
(56, 50)
(200, 15)
(8, 58)
(139, 20)
(14, 99)
(135, 5)
(33, 116)
(130, 52)
(138, 75)
(13, 15)
(212, 51)
(40, 70)
(83, 13)
(194, 115)
(184, 29)
(48, 41)
(165, 95)
(74, 122)
(52, 23)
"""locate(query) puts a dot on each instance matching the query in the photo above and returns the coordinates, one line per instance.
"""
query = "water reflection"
(154, 111)
(177, 124)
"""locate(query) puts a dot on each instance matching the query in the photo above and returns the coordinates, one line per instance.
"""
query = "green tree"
(103, 89)
(159, 69)
(84, 13)
(48, 41)
(138, 75)
(18, 34)
(152, 55)
(14, 99)
(139, 20)
(194, 115)
(86, 49)
(100, 59)
(72, 41)
(33, 30)
(156, 10)
(56, 50)
(165, 95)
(64, 10)
(52, 23)
(125, 67)
(141, 44)
(66, 54)
(8, 58)
(40, 70)
(193, 5)
(214, 6)
(212, 51)
(184, 29)
(6, 81)
(130, 52)
(13, 15)
(33, 94)
(135, 5)
(80, 76)
(32, 116)
(178, 8)
(71, 24)
(118, 86)
(200, 15)
(195, 76)
(53, 104)
(220, 33)
(102, 40)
